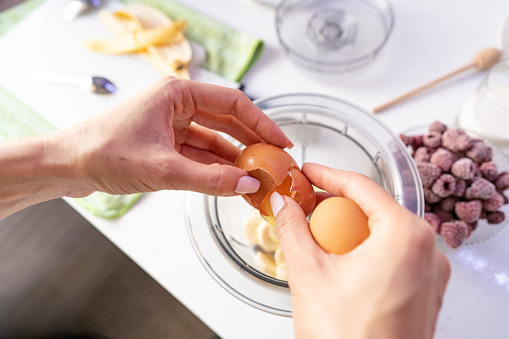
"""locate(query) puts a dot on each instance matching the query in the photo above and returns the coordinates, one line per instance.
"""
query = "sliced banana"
(264, 239)
(265, 263)
(272, 233)
(281, 271)
(251, 231)
(278, 256)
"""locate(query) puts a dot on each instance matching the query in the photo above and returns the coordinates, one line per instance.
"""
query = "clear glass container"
(325, 130)
(333, 36)
(487, 111)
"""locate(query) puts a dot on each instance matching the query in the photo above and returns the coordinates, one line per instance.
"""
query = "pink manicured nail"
(276, 203)
(247, 184)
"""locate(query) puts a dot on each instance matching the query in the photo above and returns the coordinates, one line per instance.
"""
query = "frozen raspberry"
(414, 141)
(432, 140)
(480, 189)
(506, 200)
(444, 186)
(448, 203)
(471, 228)
(443, 215)
(455, 139)
(427, 207)
(443, 158)
(479, 151)
(494, 203)
(468, 211)
(495, 217)
(430, 197)
(428, 172)
(422, 154)
(502, 181)
(489, 170)
(433, 220)
(463, 168)
(437, 127)
(454, 232)
(461, 186)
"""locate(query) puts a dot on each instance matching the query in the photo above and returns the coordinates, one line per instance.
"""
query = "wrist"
(36, 169)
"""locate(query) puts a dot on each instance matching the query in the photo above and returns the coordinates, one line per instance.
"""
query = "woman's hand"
(390, 286)
(165, 138)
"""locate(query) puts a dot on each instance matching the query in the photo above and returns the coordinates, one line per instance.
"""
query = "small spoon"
(75, 8)
(94, 84)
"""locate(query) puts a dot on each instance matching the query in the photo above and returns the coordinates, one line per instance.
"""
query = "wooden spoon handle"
(483, 60)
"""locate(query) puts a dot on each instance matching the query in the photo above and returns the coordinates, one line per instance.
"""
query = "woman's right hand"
(390, 286)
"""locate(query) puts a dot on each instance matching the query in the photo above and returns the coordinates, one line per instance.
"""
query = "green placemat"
(229, 53)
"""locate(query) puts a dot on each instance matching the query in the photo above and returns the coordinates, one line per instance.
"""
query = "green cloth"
(230, 54)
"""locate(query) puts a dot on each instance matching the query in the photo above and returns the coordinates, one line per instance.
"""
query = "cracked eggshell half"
(277, 171)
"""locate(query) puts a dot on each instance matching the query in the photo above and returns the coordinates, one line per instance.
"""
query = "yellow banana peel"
(138, 40)
(162, 43)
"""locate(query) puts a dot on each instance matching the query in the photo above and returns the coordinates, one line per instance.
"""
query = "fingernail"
(290, 145)
(247, 184)
(276, 203)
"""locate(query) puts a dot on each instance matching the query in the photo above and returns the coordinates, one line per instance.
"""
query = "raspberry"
(506, 200)
(422, 154)
(502, 182)
(468, 211)
(479, 151)
(414, 141)
(494, 203)
(455, 139)
(454, 232)
(443, 215)
(448, 203)
(463, 168)
(437, 127)
(432, 140)
(489, 170)
(444, 186)
(427, 207)
(433, 220)
(471, 228)
(430, 197)
(428, 172)
(480, 189)
(495, 217)
(461, 186)
(443, 158)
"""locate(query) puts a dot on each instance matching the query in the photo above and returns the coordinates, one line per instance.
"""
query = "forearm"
(36, 169)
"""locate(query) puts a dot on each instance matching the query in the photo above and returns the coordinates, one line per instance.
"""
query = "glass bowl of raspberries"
(465, 178)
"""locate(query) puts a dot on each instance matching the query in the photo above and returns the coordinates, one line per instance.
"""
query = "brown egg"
(338, 225)
(277, 171)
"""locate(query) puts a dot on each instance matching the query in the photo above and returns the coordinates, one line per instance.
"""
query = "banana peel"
(144, 29)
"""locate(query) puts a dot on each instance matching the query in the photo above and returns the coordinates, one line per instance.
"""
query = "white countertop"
(430, 38)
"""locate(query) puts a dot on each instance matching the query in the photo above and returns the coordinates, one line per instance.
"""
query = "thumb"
(212, 179)
(294, 236)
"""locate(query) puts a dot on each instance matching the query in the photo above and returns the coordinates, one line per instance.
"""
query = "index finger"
(370, 196)
(222, 100)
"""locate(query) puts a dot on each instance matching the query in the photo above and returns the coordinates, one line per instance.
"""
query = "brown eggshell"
(271, 165)
(338, 225)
